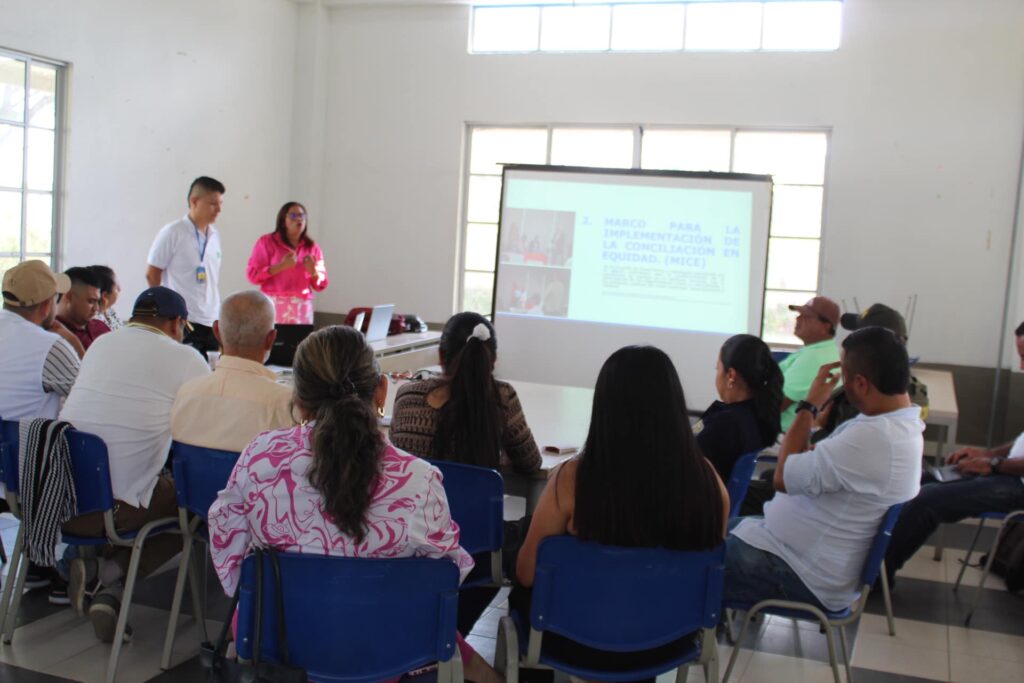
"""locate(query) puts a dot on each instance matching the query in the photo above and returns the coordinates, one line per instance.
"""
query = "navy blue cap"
(160, 302)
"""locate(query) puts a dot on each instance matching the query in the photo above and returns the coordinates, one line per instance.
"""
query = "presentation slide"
(650, 250)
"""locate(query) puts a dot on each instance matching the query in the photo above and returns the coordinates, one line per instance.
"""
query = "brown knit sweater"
(414, 422)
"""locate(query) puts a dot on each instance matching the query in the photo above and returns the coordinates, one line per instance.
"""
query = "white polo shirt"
(123, 394)
(176, 251)
(836, 496)
(1017, 450)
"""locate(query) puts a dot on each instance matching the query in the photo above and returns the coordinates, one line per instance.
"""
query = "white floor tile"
(894, 655)
(768, 668)
(972, 576)
(922, 566)
(972, 669)
(908, 633)
(986, 644)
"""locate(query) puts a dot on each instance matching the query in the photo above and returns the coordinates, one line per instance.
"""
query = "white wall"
(925, 100)
(161, 92)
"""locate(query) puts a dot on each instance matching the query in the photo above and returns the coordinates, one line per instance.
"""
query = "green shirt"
(799, 370)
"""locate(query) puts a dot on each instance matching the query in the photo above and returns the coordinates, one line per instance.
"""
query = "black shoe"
(37, 576)
(103, 614)
(59, 592)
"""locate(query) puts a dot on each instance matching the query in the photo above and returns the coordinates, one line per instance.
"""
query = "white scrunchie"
(480, 332)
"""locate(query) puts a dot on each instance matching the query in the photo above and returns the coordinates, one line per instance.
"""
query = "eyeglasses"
(295, 215)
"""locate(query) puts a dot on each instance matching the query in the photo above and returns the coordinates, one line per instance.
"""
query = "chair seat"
(73, 539)
(689, 654)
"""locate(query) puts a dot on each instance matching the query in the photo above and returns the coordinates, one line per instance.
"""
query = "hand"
(974, 466)
(309, 263)
(968, 453)
(287, 262)
(822, 420)
(824, 384)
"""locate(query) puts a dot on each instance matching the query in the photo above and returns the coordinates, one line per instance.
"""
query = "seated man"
(40, 364)
(77, 308)
(816, 328)
(124, 395)
(812, 542)
(241, 398)
(994, 482)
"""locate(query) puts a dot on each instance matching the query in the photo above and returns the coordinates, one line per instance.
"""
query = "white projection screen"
(590, 260)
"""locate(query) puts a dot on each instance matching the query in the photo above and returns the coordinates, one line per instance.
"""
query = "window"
(30, 114)
(636, 25)
(795, 159)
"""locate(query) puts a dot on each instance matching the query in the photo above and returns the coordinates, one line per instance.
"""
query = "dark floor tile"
(15, 674)
(872, 676)
(188, 671)
(915, 599)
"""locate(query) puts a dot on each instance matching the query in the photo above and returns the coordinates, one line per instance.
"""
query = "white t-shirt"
(1017, 450)
(176, 251)
(836, 497)
(123, 394)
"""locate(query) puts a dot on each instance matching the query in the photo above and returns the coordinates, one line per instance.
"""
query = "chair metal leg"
(179, 594)
(830, 639)
(736, 647)
(846, 654)
(19, 588)
(198, 590)
(682, 673)
(887, 598)
(988, 563)
(12, 578)
(970, 551)
(3, 552)
(506, 650)
(126, 603)
(709, 656)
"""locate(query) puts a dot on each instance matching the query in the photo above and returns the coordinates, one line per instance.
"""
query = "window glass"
(778, 319)
(12, 89)
(12, 144)
(38, 222)
(605, 148)
(484, 199)
(686, 150)
(648, 27)
(723, 26)
(40, 159)
(477, 292)
(792, 264)
(802, 25)
(796, 211)
(42, 97)
(790, 158)
(491, 147)
(481, 246)
(575, 28)
(10, 221)
(505, 29)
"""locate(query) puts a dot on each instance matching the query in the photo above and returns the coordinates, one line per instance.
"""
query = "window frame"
(56, 191)
(638, 136)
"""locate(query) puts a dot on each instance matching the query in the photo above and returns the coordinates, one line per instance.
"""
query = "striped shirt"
(60, 369)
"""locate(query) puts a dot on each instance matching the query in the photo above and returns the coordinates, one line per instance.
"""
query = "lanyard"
(201, 246)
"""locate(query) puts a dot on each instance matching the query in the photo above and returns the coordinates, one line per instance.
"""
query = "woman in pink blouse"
(334, 485)
(289, 266)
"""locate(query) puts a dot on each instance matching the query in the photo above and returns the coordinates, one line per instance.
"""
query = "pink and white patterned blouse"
(269, 502)
(269, 250)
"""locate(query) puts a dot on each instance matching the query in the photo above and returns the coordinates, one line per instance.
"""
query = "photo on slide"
(530, 290)
(537, 237)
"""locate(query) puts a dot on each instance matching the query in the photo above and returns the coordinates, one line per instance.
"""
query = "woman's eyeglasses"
(296, 216)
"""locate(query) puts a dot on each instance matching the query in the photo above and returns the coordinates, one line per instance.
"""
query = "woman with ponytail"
(466, 415)
(333, 484)
(747, 418)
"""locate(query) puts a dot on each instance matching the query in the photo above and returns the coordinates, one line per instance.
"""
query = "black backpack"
(1009, 558)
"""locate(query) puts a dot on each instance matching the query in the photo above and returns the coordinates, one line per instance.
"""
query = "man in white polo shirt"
(815, 535)
(124, 395)
(185, 257)
(39, 363)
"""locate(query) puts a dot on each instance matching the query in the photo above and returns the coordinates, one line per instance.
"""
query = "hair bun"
(481, 332)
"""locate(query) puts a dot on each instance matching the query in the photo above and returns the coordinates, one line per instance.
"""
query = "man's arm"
(154, 275)
(60, 369)
(798, 437)
(57, 327)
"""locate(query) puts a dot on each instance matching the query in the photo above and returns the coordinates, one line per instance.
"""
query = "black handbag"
(224, 670)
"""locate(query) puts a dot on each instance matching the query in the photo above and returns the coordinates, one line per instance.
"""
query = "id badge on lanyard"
(201, 268)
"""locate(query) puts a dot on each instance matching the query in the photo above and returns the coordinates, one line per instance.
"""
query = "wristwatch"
(806, 405)
(995, 461)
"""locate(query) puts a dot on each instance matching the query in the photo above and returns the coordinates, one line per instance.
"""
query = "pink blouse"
(268, 501)
(268, 251)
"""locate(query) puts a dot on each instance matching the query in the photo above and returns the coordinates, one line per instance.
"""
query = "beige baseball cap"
(32, 282)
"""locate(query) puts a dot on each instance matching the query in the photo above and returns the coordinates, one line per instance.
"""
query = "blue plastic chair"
(199, 475)
(618, 600)
(355, 620)
(1003, 518)
(739, 481)
(91, 471)
(779, 356)
(874, 566)
(476, 498)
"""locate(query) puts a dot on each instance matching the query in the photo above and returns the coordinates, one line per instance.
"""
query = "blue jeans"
(947, 503)
(753, 575)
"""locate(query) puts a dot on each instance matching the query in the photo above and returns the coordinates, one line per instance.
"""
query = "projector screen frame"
(701, 175)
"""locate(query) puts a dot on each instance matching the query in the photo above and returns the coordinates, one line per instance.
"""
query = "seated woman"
(110, 289)
(467, 416)
(747, 418)
(333, 484)
(639, 481)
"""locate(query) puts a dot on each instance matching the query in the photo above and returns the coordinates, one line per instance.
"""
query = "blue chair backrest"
(89, 464)
(879, 546)
(354, 619)
(199, 475)
(9, 454)
(779, 356)
(476, 498)
(739, 481)
(624, 599)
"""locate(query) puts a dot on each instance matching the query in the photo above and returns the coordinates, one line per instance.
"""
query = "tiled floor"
(931, 644)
